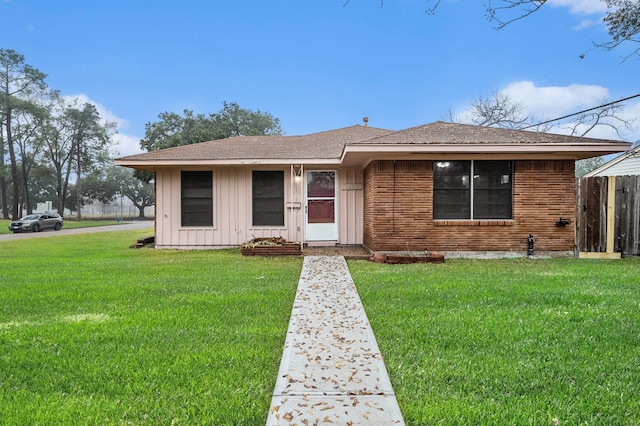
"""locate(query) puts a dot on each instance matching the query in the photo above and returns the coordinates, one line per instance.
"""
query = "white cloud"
(632, 112)
(550, 102)
(584, 7)
(105, 114)
(554, 101)
(124, 144)
(587, 23)
(546, 103)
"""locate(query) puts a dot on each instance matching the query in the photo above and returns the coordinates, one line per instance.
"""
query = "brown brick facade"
(398, 210)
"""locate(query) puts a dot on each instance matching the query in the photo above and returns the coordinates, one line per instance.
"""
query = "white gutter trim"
(408, 149)
(462, 148)
(489, 148)
(233, 162)
(613, 162)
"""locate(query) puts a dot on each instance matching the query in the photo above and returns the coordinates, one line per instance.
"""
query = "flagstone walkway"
(331, 369)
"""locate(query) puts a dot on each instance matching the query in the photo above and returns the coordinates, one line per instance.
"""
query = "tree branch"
(527, 7)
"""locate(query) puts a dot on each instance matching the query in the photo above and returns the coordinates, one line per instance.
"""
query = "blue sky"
(317, 65)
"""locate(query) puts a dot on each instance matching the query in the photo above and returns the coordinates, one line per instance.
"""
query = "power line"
(581, 112)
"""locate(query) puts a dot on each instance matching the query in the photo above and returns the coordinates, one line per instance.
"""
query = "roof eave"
(630, 153)
(152, 165)
(513, 151)
(364, 153)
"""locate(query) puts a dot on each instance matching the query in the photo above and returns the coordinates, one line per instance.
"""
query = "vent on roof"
(365, 120)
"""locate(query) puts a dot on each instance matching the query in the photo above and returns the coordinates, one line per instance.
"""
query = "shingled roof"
(442, 132)
(323, 145)
(361, 144)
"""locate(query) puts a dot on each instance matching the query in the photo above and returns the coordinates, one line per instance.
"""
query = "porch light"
(442, 164)
(297, 173)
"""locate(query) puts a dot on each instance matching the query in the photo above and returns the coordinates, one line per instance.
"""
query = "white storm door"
(320, 208)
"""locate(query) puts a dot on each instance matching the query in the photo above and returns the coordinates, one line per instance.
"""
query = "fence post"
(611, 213)
(610, 210)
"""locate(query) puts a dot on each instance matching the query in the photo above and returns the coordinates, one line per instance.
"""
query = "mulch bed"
(429, 257)
(276, 246)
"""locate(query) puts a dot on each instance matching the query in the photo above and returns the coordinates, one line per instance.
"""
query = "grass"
(68, 224)
(97, 333)
(517, 342)
(101, 334)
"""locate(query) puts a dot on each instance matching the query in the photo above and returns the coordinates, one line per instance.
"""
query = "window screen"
(268, 198)
(492, 189)
(451, 190)
(472, 189)
(197, 198)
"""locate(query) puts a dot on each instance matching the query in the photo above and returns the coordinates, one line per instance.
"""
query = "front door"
(321, 223)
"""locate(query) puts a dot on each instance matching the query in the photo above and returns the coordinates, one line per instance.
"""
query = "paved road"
(127, 226)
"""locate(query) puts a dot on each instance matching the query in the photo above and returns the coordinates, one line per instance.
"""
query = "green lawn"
(509, 342)
(92, 332)
(97, 333)
(68, 224)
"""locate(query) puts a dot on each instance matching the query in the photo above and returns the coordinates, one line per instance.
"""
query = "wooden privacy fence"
(608, 215)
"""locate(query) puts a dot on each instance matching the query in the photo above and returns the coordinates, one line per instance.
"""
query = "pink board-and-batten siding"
(232, 218)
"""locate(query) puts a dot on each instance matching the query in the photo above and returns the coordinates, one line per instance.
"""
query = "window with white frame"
(473, 189)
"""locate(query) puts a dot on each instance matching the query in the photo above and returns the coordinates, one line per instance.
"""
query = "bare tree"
(499, 110)
(622, 18)
(607, 115)
(502, 111)
(508, 11)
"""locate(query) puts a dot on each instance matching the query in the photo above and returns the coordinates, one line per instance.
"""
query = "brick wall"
(398, 210)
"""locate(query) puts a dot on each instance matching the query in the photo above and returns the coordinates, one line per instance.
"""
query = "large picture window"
(197, 198)
(472, 189)
(268, 198)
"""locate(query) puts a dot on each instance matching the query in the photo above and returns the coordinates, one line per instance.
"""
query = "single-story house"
(446, 187)
(626, 164)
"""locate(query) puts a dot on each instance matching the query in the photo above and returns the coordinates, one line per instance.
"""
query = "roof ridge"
(348, 127)
(484, 129)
